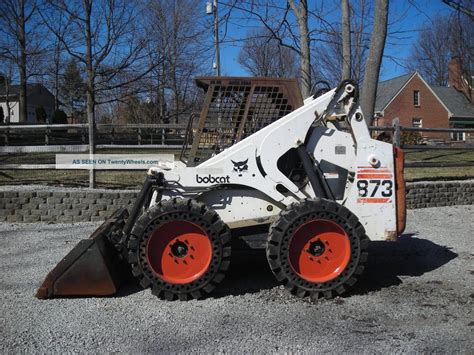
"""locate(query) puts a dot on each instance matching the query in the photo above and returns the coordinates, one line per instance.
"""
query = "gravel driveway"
(417, 295)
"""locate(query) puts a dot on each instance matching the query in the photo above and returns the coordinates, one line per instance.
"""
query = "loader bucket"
(92, 268)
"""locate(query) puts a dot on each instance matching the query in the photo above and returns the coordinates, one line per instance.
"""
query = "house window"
(458, 136)
(416, 98)
(417, 122)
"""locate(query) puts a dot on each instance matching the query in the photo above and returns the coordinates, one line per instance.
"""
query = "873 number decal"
(375, 188)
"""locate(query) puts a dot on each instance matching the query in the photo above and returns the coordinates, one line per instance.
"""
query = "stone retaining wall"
(76, 205)
(440, 193)
(61, 206)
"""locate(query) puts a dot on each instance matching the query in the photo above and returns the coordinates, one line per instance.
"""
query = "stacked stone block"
(86, 206)
(440, 193)
(61, 207)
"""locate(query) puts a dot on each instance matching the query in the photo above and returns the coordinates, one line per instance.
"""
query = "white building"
(36, 96)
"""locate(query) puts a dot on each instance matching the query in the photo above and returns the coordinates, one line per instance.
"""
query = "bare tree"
(374, 59)
(6, 73)
(177, 50)
(326, 60)
(346, 40)
(301, 12)
(262, 55)
(360, 40)
(179, 43)
(431, 53)
(462, 34)
(331, 52)
(281, 20)
(103, 36)
(16, 45)
(440, 40)
(54, 55)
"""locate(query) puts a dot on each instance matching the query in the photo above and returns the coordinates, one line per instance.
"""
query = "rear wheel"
(317, 247)
(180, 248)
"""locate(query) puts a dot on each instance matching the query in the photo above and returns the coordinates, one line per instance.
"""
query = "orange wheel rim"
(319, 250)
(179, 252)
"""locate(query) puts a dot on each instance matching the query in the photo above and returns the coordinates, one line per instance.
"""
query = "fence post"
(7, 134)
(139, 136)
(46, 136)
(163, 136)
(396, 133)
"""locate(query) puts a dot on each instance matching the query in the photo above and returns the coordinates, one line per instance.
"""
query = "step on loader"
(307, 173)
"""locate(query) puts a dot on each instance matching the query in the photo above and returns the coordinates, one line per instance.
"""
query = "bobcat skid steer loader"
(314, 179)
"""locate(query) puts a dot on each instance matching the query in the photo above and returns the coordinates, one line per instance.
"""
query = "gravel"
(416, 296)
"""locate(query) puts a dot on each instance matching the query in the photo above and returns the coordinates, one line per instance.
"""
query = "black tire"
(194, 213)
(313, 211)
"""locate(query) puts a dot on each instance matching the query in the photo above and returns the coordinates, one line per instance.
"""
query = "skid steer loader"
(314, 180)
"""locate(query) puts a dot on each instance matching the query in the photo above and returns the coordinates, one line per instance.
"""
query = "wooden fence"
(72, 138)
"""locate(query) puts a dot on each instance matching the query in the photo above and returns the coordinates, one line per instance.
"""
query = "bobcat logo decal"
(240, 166)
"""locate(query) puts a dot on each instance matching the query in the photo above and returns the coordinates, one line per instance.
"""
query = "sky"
(406, 18)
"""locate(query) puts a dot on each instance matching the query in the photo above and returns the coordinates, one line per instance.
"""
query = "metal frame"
(245, 186)
(259, 95)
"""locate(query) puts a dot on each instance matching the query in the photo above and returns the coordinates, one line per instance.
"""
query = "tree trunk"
(161, 91)
(374, 60)
(7, 101)
(174, 63)
(301, 13)
(90, 88)
(57, 55)
(22, 63)
(346, 40)
(358, 50)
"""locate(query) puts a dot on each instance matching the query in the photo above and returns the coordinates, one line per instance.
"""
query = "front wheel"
(317, 247)
(180, 248)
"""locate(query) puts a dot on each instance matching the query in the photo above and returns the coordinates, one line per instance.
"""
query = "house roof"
(455, 101)
(388, 89)
(12, 90)
(15, 90)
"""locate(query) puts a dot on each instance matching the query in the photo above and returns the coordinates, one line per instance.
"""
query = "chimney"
(454, 73)
(457, 80)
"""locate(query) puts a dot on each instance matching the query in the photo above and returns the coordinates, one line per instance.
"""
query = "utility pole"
(211, 9)
(216, 38)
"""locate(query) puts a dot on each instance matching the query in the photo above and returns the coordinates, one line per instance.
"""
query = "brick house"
(418, 104)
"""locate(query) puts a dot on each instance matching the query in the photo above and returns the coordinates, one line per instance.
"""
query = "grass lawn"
(49, 158)
(440, 155)
(419, 174)
(105, 179)
(134, 179)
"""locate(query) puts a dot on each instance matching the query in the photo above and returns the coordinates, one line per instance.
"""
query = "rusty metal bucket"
(92, 268)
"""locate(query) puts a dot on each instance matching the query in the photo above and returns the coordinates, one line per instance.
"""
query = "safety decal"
(375, 185)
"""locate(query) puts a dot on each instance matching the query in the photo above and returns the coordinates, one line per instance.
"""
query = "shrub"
(59, 117)
(40, 114)
(411, 138)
